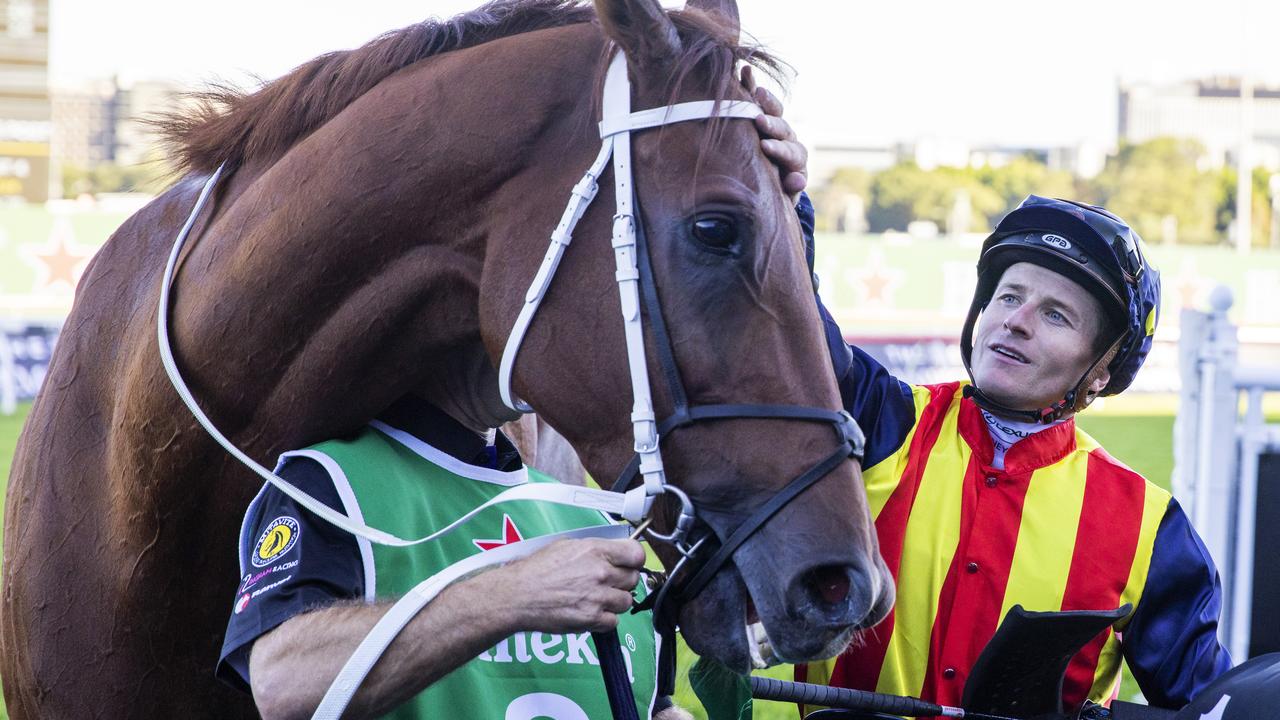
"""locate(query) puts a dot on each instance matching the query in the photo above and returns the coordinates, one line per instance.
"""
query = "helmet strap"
(1044, 416)
(1082, 395)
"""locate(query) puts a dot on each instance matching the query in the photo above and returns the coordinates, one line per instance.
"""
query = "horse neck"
(359, 254)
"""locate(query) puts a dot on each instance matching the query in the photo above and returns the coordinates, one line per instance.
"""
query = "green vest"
(393, 481)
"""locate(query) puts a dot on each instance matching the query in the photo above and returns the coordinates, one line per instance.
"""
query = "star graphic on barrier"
(510, 535)
(60, 259)
(876, 281)
(1191, 286)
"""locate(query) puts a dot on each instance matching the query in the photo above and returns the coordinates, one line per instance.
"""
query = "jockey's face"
(1035, 338)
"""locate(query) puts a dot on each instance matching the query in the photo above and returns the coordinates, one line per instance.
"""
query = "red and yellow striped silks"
(1063, 527)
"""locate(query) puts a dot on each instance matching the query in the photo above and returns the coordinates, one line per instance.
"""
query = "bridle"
(639, 297)
(638, 292)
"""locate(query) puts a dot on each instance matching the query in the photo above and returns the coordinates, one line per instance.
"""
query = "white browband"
(697, 110)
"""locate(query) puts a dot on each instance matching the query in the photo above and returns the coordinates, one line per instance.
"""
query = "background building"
(25, 127)
(101, 141)
(84, 124)
(1208, 111)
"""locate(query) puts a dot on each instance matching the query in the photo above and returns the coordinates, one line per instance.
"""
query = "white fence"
(1217, 450)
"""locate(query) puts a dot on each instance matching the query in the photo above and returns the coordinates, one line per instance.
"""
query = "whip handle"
(809, 694)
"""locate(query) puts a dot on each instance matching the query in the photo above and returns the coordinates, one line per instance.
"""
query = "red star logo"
(509, 535)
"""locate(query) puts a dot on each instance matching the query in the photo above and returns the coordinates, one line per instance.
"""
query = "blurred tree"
(904, 193)
(151, 176)
(1159, 188)
(842, 199)
(1157, 185)
(1226, 211)
(1025, 176)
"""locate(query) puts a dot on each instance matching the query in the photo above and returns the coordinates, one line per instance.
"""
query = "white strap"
(394, 620)
(572, 495)
(670, 114)
(615, 130)
(617, 112)
(583, 193)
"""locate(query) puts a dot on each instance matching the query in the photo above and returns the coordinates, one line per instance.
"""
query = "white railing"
(1217, 451)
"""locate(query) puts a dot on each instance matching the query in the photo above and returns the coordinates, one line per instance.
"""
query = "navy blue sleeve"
(1171, 644)
(881, 403)
(293, 562)
(805, 214)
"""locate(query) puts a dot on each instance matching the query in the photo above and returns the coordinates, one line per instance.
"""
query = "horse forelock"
(705, 69)
(225, 124)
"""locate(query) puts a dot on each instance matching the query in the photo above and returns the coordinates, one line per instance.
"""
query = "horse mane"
(224, 124)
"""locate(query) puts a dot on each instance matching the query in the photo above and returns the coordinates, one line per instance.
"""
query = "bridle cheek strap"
(615, 132)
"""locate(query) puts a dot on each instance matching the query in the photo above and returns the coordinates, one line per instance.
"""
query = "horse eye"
(716, 232)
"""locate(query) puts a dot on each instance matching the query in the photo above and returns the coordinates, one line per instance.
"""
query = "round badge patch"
(242, 603)
(276, 540)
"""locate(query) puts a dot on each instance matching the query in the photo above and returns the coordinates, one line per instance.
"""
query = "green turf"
(1144, 443)
(10, 427)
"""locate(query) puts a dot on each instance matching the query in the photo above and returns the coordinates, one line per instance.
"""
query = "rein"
(635, 279)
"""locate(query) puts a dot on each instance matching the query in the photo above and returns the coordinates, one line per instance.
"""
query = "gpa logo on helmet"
(1057, 241)
(278, 539)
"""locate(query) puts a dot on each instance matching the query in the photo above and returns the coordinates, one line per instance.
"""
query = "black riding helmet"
(1096, 250)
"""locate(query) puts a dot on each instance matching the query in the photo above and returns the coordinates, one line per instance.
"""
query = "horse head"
(732, 284)
(382, 213)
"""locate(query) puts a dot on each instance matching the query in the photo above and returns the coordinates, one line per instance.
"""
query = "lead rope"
(366, 655)
(613, 503)
(389, 626)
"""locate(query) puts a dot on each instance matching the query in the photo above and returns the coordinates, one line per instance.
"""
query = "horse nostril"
(829, 584)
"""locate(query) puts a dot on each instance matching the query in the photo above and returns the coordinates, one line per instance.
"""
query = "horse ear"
(642, 29)
(726, 9)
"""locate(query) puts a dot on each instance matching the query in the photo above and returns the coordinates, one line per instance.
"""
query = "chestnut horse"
(384, 212)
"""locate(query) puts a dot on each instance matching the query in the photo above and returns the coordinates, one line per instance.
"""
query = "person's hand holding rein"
(778, 140)
(570, 586)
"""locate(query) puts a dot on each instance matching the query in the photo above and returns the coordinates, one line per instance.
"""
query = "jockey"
(986, 494)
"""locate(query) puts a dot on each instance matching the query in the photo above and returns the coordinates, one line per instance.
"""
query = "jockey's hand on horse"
(570, 586)
(778, 140)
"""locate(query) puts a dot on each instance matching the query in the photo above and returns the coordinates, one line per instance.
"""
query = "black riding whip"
(763, 688)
